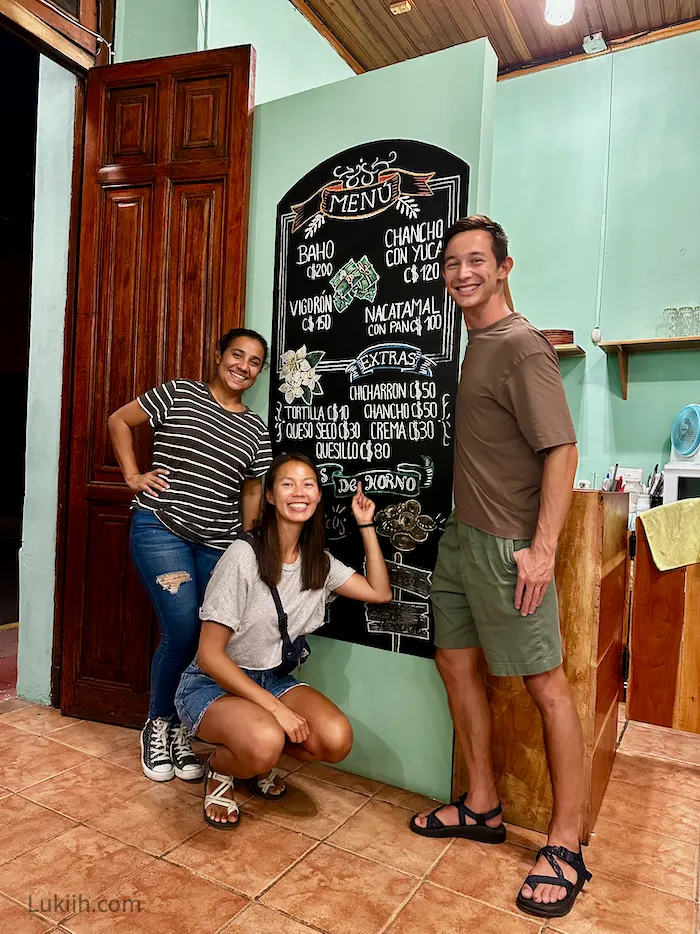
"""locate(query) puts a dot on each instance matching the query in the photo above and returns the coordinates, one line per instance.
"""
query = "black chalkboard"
(365, 351)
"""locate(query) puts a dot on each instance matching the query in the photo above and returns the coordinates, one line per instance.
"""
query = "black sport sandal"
(479, 831)
(564, 905)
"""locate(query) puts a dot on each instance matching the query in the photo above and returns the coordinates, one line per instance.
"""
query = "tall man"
(493, 588)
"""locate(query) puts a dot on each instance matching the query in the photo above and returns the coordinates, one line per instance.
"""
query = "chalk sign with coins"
(365, 352)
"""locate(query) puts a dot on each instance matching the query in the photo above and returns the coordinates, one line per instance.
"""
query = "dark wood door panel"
(130, 117)
(162, 266)
(201, 129)
(116, 650)
(127, 318)
(194, 275)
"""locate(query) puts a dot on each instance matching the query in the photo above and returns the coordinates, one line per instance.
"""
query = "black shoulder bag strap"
(294, 653)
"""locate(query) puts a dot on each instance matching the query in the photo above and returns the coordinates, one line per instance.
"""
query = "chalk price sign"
(365, 351)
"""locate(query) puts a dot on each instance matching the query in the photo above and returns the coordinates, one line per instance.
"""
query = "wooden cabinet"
(664, 685)
(591, 575)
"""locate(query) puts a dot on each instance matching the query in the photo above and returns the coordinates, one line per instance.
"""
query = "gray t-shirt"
(236, 597)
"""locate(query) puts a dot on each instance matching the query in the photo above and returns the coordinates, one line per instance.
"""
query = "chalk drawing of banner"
(451, 184)
(399, 618)
(405, 480)
(405, 358)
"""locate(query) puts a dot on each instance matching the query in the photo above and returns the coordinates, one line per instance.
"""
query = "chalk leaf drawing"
(407, 206)
(299, 379)
(315, 224)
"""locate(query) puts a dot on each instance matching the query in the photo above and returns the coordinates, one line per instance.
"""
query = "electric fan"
(685, 435)
(682, 473)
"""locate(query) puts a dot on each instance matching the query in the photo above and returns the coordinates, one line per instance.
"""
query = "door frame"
(61, 37)
(70, 323)
(55, 53)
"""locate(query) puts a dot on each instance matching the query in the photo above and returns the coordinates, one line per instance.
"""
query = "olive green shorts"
(473, 592)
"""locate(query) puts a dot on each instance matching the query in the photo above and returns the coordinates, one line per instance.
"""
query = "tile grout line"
(281, 875)
(371, 859)
(325, 840)
(642, 829)
(230, 920)
(677, 794)
(506, 911)
(656, 757)
(97, 895)
(397, 911)
(423, 879)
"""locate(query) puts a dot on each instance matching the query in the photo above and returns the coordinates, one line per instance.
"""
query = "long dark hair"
(315, 563)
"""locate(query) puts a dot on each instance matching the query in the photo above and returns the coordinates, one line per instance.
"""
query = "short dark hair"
(315, 562)
(479, 222)
(230, 336)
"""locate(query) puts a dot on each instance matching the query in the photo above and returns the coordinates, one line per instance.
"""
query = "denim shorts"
(197, 691)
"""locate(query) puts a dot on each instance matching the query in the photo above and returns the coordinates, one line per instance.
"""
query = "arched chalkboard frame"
(365, 355)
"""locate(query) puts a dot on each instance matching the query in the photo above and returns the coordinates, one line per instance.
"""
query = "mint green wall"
(396, 704)
(54, 163)
(151, 28)
(594, 179)
(291, 55)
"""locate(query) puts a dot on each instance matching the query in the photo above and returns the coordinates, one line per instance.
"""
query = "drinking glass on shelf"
(695, 322)
(671, 322)
(685, 320)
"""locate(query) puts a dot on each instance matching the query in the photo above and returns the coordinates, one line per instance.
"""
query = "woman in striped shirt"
(210, 452)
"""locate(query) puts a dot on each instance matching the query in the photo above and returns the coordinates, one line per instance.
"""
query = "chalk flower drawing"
(298, 375)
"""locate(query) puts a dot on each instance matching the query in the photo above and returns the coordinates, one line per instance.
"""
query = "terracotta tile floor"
(84, 837)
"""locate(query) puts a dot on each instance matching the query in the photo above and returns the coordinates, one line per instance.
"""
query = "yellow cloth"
(673, 533)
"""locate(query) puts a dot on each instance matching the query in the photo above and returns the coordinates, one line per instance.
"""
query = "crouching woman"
(267, 592)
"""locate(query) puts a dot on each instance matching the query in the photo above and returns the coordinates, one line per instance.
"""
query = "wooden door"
(161, 275)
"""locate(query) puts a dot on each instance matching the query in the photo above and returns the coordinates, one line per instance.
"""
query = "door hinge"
(625, 664)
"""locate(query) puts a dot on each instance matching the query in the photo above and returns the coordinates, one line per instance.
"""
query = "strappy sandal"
(479, 831)
(564, 906)
(217, 797)
(261, 786)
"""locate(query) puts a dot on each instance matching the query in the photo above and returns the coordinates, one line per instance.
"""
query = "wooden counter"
(591, 574)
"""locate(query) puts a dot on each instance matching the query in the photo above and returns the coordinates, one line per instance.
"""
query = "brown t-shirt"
(511, 408)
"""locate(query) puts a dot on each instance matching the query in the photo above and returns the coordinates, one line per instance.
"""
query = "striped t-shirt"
(209, 452)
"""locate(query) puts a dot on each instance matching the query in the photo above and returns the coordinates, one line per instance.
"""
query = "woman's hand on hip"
(296, 727)
(362, 507)
(152, 482)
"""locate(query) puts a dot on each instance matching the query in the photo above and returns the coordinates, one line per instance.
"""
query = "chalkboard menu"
(365, 353)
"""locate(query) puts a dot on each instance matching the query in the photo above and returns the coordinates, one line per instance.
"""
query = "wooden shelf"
(622, 350)
(569, 350)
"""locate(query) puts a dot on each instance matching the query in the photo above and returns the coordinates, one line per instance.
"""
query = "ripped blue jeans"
(175, 573)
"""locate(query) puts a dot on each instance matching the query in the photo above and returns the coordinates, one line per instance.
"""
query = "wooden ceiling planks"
(369, 36)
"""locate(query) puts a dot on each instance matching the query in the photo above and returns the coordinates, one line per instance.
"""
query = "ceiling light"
(403, 7)
(559, 12)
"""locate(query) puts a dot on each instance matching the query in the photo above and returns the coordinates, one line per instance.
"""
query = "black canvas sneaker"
(187, 765)
(156, 761)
